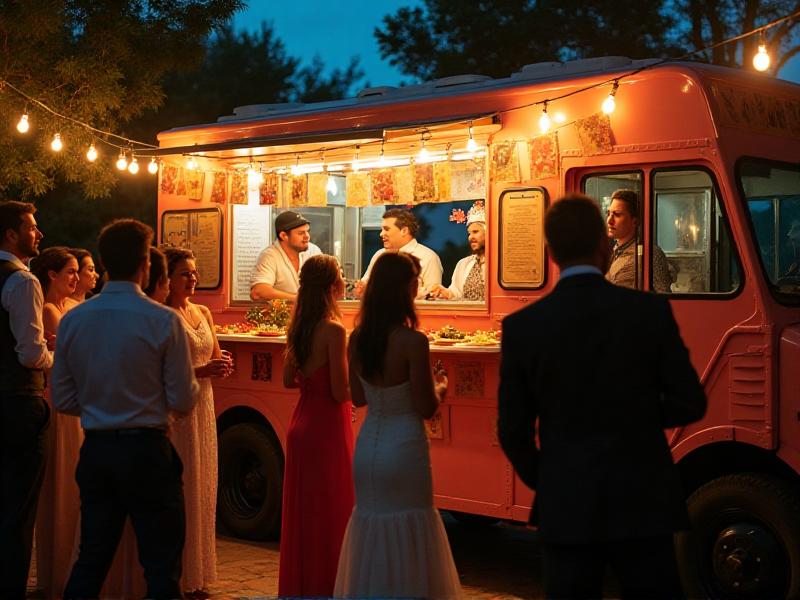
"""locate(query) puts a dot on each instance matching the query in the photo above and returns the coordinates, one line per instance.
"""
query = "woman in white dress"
(395, 545)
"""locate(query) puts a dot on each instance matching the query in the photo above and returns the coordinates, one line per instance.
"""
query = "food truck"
(711, 151)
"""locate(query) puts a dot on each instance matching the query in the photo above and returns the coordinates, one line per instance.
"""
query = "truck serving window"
(693, 232)
(772, 194)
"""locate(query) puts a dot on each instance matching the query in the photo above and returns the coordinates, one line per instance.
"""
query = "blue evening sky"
(339, 30)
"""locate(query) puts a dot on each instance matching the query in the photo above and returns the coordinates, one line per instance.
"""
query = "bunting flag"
(468, 179)
(219, 187)
(424, 183)
(180, 185)
(404, 184)
(594, 133)
(268, 188)
(384, 190)
(442, 181)
(505, 162)
(357, 189)
(543, 151)
(239, 187)
(169, 177)
(194, 184)
(317, 189)
(295, 191)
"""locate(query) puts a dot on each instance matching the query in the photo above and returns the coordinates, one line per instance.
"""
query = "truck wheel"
(745, 542)
(250, 482)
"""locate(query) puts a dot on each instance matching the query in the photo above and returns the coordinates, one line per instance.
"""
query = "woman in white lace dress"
(395, 545)
(195, 436)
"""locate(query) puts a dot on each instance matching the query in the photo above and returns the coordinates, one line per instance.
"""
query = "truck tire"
(250, 482)
(745, 539)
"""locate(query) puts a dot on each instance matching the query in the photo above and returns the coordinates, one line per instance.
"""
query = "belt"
(145, 431)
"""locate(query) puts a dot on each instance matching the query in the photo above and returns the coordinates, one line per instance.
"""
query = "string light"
(295, 170)
(91, 153)
(472, 145)
(133, 168)
(544, 120)
(761, 59)
(152, 168)
(423, 156)
(191, 164)
(23, 125)
(56, 145)
(609, 104)
(122, 162)
(254, 177)
(355, 160)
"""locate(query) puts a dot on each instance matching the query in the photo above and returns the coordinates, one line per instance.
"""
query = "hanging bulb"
(559, 117)
(253, 176)
(544, 120)
(91, 153)
(133, 168)
(295, 170)
(56, 145)
(23, 125)
(122, 162)
(424, 155)
(761, 59)
(152, 168)
(472, 145)
(191, 164)
(609, 104)
(355, 165)
(331, 187)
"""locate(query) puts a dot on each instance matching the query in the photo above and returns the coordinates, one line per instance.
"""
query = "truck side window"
(694, 234)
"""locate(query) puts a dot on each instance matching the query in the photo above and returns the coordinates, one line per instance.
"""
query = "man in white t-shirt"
(469, 276)
(398, 230)
(277, 270)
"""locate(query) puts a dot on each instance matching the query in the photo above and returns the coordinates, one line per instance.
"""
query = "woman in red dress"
(318, 491)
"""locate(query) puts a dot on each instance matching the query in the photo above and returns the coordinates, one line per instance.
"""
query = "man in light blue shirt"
(123, 365)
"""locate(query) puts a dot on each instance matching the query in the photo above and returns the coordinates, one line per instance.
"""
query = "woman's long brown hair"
(387, 304)
(316, 301)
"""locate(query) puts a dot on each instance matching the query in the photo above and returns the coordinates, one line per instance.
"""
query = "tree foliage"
(498, 37)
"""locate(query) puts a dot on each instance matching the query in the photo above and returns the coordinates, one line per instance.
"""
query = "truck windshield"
(772, 193)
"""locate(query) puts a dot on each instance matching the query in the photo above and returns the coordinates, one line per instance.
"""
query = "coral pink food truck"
(713, 154)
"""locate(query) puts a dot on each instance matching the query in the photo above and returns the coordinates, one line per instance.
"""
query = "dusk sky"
(339, 30)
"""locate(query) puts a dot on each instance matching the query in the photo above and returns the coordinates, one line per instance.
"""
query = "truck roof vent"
(459, 80)
(258, 110)
(546, 70)
(370, 92)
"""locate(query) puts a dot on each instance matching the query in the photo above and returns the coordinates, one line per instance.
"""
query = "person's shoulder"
(332, 330)
(423, 249)
(313, 249)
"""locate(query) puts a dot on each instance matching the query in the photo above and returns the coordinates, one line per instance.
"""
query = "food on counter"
(268, 331)
(271, 314)
(448, 332)
(234, 328)
(450, 336)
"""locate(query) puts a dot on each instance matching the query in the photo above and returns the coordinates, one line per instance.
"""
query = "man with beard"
(469, 276)
(277, 270)
(24, 415)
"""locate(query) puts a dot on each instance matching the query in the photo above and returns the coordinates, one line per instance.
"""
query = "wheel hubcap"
(747, 561)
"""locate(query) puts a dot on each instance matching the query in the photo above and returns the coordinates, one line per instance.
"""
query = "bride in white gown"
(395, 545)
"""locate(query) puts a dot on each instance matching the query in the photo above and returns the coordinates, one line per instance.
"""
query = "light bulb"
(56, 144)
(544, 121)
(133, 168)
(424, 155)
(191, 164)
(355, 165)
(295, 169)
(331, 187)
(23, 124)
(152, 168)
(253, 176)
(122, 162)
(761, 59)
(559, 117)
(91, 153)
(609, 104)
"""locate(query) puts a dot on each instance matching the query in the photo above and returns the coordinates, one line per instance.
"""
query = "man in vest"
(24, 415)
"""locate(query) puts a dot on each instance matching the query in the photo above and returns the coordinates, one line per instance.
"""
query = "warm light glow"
(91, 153)
(544, 121)
(23, 124)
(472, 145)
(355, 165)
(191, 164)
(122, 162)
(559, 117)
(609, 104)
(761, 59)
(133, 168)
(423, 156)
(295, 169)
(254, 177)
(56, 144)
(152, 168)
(331, 187)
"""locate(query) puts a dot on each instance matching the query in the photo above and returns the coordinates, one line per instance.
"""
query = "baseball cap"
(288, 220)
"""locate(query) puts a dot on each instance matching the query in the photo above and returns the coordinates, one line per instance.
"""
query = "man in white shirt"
(24, 415)
(277, 270)
(123, 365)
(469, 276)
(398, 234)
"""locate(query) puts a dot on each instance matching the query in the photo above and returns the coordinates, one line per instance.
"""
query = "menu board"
(250, 234)
(522, 238)
(199, 230)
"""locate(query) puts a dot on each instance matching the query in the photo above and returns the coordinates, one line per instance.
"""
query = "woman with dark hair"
(86, 273)
(158, 282)
(59, 502)
(195, 435)
(395, 545)
(318, 482)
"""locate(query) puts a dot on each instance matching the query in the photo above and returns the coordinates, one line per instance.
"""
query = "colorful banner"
(268, 188)
(317, 189)
(295, 190)
(239, 187)
(358, 193)
(594, 133)
(505, 162)
(543, 151)
(404, 184)
(169, 177)
(384, 189)
(424, 183)
(194, 184)
(441, 179)
(468, 179)
(219, 187)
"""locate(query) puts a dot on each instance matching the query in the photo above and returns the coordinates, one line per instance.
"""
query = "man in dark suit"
(604, 370)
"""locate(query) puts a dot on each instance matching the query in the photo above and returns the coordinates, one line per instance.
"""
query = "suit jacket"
(604, 370)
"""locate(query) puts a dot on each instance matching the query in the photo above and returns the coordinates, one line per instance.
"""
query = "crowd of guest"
(108, 420)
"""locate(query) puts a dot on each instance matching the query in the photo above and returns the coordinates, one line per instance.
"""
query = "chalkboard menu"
(199, 230)
(522, 238)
